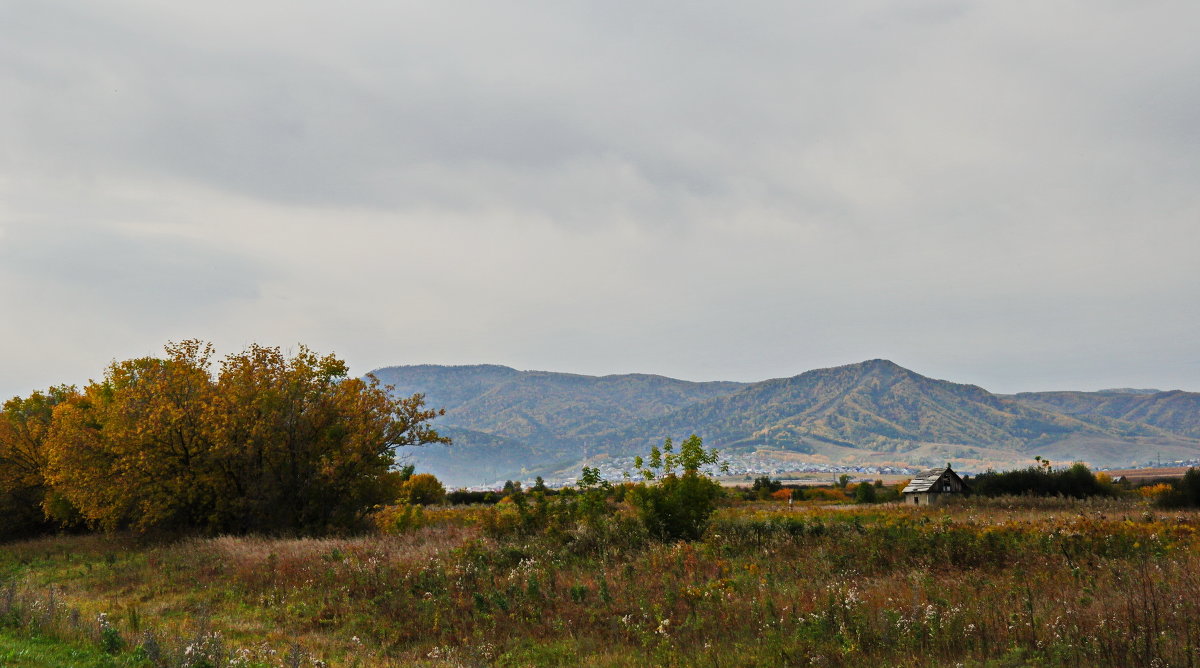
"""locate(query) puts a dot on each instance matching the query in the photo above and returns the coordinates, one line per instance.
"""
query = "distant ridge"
(514, 424)
(1174, 411)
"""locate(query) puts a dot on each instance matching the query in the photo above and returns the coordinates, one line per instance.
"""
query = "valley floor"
(979, 583)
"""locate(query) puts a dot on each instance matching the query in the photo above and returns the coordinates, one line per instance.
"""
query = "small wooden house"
(929, 487)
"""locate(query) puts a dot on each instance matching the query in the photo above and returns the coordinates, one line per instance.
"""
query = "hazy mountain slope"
(517, 423)
(445, 386)
(875, 405)
(542, 406)
(549, 417)
(1175, 411)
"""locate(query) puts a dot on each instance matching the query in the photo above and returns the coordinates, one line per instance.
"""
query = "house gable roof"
(926, 481)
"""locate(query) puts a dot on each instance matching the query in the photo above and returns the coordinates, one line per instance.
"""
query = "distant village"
(752, 465)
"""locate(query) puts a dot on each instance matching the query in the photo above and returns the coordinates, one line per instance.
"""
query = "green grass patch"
(18, 650)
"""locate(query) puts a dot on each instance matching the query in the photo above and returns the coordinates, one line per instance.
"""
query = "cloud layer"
(1001, 194)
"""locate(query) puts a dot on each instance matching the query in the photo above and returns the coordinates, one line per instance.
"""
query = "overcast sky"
(1003, 193)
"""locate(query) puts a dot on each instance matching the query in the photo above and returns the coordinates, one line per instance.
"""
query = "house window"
(946, 487)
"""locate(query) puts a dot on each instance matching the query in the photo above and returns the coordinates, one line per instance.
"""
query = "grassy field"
(1000, 582)
(18, 650)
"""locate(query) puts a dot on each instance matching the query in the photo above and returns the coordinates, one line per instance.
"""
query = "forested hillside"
(1175, 411)
(508, 423)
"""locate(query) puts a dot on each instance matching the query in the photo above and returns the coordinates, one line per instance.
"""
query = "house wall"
(947, 485)
(956, 486)
(922, 498)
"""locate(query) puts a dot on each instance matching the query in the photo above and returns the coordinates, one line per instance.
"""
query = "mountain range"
(510, 424)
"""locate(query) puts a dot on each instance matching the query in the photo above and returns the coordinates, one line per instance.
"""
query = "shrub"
(678, 506)
(864, 493)
(399, 519)
(827, 494)
(463, 497)
(764, 487)
(1183, 493)
(1154, 491)
(423, 489)
(1076, 481)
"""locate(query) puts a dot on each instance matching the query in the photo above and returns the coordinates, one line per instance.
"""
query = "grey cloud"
(128, 276)
(698, 189)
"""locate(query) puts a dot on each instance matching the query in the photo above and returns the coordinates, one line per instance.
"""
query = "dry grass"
(984, 583)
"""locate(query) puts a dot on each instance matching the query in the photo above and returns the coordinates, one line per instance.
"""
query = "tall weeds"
(998, 582)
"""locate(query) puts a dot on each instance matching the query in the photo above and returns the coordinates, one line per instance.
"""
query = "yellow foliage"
(24, 424)
(1154, 491)
(269, 443)
(423, 489)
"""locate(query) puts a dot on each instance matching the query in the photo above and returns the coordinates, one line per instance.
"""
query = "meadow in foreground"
(982, 582)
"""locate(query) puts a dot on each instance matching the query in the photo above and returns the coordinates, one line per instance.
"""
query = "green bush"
(1076, 481)
(676, 506)
(864, 492)
(764, 487)
(1184, 493)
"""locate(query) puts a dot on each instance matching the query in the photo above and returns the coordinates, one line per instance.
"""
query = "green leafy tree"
(1042, 480)
(676, 499)
(864, 492)
(592, 504)
(764, 487)
(1184, 492)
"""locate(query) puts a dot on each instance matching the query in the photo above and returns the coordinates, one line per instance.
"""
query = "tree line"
(262, 442)
(1076, 481)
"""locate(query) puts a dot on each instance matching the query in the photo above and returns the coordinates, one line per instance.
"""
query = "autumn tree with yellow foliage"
(24, 423)
(268, 443)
